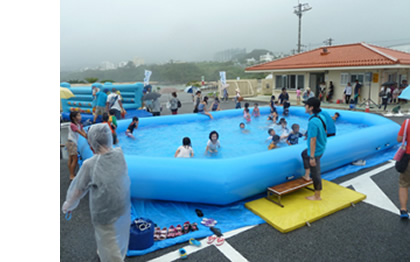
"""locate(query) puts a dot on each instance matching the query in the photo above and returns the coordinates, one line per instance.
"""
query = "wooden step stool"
(286, 188)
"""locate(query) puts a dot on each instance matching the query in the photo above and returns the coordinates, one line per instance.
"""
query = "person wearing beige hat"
(238, 98)
(307, 94)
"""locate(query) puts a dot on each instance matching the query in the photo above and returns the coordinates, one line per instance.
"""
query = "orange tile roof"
(359, 54)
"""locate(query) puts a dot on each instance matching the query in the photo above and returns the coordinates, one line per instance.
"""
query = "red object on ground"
(367, 109)
(338, 101)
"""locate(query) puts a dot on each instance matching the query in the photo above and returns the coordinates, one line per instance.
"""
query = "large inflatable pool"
(223, 180)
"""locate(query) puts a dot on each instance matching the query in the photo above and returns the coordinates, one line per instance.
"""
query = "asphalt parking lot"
(365, 232)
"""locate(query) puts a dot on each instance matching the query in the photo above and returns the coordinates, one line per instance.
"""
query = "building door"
(314, 80)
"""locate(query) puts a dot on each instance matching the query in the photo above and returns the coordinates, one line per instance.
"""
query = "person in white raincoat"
(105, 177)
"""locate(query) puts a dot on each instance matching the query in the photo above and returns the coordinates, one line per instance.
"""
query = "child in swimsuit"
(256, 111)
(185, 150)
(133, 125)
(274, 141)
(247, 115)
(213, 144)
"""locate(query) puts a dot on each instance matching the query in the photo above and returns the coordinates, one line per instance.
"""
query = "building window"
(290, 81)
(355, 77)
(344, 79)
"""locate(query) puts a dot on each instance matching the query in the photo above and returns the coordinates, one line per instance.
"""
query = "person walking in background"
(385, 94)
(105, 177)
(330, 92)
(238, 98)
(357, 91)
(404, 181)
(197, 101)
(298, 94)
(113, 103)
(225, 93)
(100, 108)
(316, 142)
(347, 92)
(174, 102)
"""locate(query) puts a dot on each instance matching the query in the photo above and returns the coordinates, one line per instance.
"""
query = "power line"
(299, 10)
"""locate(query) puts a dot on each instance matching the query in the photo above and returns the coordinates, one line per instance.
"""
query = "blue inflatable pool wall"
(224, 181)
(82, 101)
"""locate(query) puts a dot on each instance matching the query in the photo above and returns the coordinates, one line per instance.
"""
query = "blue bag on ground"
(141, 234)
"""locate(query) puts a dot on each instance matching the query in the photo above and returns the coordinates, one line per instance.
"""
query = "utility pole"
(328, 41)
(299, 9)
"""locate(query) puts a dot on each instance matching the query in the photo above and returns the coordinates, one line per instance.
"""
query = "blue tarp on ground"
(229, 217)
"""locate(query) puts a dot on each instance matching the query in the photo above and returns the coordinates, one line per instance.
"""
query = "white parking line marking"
(374, 195)
(174, 255)
(231, 253)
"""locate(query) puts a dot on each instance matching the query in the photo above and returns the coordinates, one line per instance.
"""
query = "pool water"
(164, 140)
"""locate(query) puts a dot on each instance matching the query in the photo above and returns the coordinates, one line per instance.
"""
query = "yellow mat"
(298, 210)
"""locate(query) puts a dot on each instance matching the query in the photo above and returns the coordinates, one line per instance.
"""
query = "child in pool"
(286, 105)
(293, 138)
(273, 117)
(256, 111)
(247, 115)
(274, 142)
(75, 129)
(185, 150)
(130, 129)
(242, 127)
(283, 124)
(272, 133)
(335, 116)
(213, 144)
(112, 123)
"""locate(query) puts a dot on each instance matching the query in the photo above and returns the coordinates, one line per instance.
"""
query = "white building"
(106, 65)
(266, 58)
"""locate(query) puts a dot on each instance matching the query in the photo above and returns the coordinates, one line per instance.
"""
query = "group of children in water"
(186, 151)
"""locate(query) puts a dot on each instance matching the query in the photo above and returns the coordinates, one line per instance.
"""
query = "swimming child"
(130, 129)
(273, 117)
(247, 115)
(185, 150)
(256, 111)
(75, 129)
(272, 133)
(215, 106)
(274, 142)
(213, 144)
(293, 138)
(283, 123)
(335, 116)
(242, 127)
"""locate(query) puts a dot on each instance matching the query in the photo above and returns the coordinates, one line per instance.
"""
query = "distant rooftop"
(349, 55)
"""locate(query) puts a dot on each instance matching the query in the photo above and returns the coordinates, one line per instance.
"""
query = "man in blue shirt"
(317, 141)
(100, 108)
(329, 122)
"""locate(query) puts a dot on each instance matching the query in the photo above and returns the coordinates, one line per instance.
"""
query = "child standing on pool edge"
(75, 129)
(213, 144)
(185, 151)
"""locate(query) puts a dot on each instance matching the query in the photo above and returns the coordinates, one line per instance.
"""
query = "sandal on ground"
(178, 231)
(199, 213)
(208, 222)
(156, 234)
(163, 234)
(171, 232)
(220, 241)
(194, 226)
(216, 231)
(183, 253)
(186, 228)
(194, 242)
(211, 239)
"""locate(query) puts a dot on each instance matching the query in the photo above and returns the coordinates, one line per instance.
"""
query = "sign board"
(375, 77)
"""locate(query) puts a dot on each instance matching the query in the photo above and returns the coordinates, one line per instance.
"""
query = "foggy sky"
(192, 30)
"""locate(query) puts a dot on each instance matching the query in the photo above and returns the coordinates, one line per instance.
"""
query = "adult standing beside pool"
(316, 141)
(101, 98)
(113, 103)
(308, 94)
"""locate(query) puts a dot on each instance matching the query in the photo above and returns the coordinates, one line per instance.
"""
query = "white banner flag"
(147, 75)
(223, 77)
